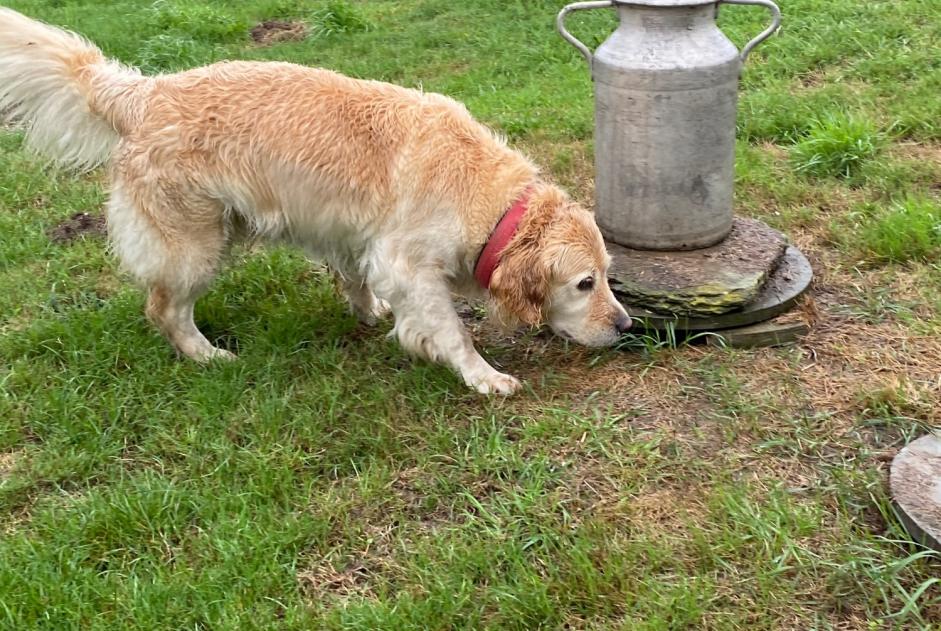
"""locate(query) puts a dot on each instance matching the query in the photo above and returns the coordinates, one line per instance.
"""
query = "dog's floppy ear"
(520, 283)
(520, 286)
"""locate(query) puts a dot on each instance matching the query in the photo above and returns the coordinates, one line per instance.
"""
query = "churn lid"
(667, 3)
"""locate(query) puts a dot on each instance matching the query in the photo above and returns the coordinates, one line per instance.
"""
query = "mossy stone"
(709, 281)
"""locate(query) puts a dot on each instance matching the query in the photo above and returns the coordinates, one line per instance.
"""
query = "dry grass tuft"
(847, 358)
(8, 463)
(918, 152)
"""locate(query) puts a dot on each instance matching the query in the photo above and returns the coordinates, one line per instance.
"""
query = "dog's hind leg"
(174, 251)
(171, 310)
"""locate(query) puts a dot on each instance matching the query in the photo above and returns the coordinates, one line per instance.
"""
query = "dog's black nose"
(622, 324)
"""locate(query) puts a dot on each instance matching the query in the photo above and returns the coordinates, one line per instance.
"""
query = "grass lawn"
(326, 481)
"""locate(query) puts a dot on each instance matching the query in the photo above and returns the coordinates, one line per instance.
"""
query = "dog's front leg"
(427, 325)
(363, 301)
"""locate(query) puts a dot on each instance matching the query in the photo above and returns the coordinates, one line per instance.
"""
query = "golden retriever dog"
(404, 195)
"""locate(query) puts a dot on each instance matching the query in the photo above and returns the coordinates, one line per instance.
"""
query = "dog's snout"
(622, 323)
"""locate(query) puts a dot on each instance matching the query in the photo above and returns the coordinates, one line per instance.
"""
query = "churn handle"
(775, 22)
(560, 24)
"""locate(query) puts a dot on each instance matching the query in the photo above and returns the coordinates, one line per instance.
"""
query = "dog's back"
(274, 141)
(287, 147)
(309, 153)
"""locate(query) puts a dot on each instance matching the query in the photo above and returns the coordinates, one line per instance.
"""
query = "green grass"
(837, 146)
(339, 17)
(906, 230)
(327, 481)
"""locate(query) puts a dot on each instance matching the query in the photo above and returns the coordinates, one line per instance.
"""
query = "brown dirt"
(10, 521)
(350, 580)
(8, 462)
(274, 31)
(78, 225)
(814, 79)
(921, 152)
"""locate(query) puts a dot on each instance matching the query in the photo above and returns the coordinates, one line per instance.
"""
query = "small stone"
(769, 333)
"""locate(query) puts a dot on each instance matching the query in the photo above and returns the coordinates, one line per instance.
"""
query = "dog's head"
(554, 271)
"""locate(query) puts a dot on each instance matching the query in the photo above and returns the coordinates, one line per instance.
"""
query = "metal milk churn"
(666, 90)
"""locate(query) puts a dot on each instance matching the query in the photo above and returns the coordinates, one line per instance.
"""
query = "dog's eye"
(586, 284)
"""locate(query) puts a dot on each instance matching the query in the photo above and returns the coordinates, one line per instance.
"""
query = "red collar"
(490, 256)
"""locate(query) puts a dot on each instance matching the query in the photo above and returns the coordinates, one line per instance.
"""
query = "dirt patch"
(78, 225)
(358, 563)
(921, 152)
(274, 31)
(12, 519)
(351, 579)
(8, 461)
(774, 150)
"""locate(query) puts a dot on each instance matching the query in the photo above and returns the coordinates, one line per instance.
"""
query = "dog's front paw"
(372, 313)
(220, 354)
(200, 350)
(497, 383)
(381, 308)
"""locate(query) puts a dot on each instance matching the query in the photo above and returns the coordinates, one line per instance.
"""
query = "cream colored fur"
(396, 189)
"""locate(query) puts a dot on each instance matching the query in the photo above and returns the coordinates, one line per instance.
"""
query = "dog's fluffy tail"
(73, 102)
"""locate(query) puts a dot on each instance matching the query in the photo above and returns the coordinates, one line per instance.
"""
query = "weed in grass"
(199, 21)
(168, 53)
(908, 230)
(649, 339)
(339, 16)
(836, 146)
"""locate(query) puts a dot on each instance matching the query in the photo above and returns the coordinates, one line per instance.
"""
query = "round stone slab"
(768, 333)
(915, 482)
(704, 282)
(788, 282)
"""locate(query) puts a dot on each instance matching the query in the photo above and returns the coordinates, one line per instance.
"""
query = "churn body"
(666, 86)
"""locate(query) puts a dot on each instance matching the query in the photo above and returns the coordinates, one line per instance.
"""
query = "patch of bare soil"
(11, 520)
(8, 462)
(384, 527)
(274, 31)
(342, 579)
(78, 225)
(922, 152)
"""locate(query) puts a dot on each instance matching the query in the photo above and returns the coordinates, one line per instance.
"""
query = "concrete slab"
(915, 482)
